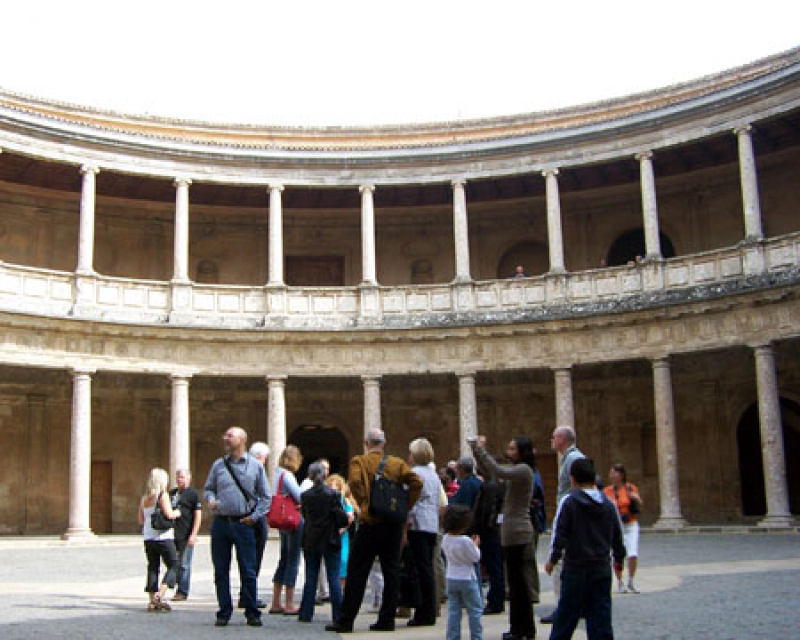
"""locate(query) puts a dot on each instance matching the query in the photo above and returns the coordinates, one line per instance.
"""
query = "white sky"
(359, 62)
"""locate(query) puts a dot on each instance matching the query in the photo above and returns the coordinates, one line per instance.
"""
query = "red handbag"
(284, 512)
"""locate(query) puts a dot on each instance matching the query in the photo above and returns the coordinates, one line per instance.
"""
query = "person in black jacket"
(488, 506)
(324, 515)
(586, 530)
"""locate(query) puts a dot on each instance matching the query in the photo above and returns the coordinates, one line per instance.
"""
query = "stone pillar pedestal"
(769, 415)
(555, 240)
(179, 441)
(565, 408)
(467, 411)
(80, 458)
(275, 236)
(276, 421)
(461, 231)
(652, 238)
(372, 403)
(749, 179)
(666, 448)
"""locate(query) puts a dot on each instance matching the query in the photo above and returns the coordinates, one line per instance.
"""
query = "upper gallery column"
(372, 402)
(86, 231)
(666, 447)
(652, 239)
(769, 416)
(461, 231)
(275, 236)
(565, 409)
(555, 238)
(180, 272)
(749, 180)
(276, 421)
(368, 268)
(467, 412)
(80, 457)
(179, 451)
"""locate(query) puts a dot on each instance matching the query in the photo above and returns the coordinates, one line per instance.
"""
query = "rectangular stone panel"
(393, 303)
(61, 290)
(487, 299)
(133, 297)
(730, 267)
(10, 284)
(704, 271)
(511, 297)
(347, 304)
(442, 301)
(606, 286)
(254, 304)
(631, 282)
(417, 302)
(203, 301)
(677, 276)
(107, 295)
(35, 287)
(781, 256)
(534, 294)
(157, 299)
(580, 288)
(323, 304)
(228, 303)
(298, 304)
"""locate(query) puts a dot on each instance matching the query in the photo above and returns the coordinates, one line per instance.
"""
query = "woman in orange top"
(626, 498)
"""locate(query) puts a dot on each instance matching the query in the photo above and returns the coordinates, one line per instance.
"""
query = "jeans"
(289, 562)
(422, 545)
(227, 533)
(185, 555)
(521, 609)
(464, 594)
(262, 531)
(157, 550)
(492, 559)
(382, 540)
(584, 589)
(313, 559)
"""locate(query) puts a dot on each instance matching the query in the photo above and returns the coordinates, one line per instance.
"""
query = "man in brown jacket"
(374, 538)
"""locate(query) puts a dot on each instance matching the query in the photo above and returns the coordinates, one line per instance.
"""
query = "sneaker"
(632, 587)
(621, 587)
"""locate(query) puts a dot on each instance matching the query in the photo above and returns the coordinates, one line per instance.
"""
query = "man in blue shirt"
(238, 494)
(468, 483)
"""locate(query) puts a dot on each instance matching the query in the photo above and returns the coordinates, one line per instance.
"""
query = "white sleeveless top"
(153, 534)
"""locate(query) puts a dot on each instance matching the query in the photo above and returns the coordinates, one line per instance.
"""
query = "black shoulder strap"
(247, 495)
(381, 466)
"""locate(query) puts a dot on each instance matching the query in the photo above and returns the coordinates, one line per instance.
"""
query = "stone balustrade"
(43, 292)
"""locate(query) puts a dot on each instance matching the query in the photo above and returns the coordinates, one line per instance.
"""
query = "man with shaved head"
(238, 493)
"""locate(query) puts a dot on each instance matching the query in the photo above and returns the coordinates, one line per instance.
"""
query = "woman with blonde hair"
(338, 483)
(285, 576)
(159, 544)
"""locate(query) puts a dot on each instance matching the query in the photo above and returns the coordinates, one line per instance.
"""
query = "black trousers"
(422, 545)
(156, 551)
(521, 609)
(371, 540)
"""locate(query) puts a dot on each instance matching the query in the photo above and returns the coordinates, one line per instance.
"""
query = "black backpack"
(388, 500)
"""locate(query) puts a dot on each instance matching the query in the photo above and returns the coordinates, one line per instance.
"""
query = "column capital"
(458, 182)
(550, 172)
(182, 181)
(561, 367)
(372, 377)
(644, 155)
(743, 128)
(178, 378)
(275, 186)
(82, 371)
(278, 378)
(466, 373)
(90, 168)
(366, 188)
(762, 347)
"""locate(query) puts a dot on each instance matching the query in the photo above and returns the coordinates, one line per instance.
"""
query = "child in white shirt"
(463, 587)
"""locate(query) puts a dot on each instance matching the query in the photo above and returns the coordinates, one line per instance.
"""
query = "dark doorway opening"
(315, 271)
(630, 245)
(751, 463)
(321, 441)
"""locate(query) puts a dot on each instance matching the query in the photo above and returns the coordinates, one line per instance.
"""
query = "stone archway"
(751, 465)
(631, 243)
(321, 440)
(532, 255)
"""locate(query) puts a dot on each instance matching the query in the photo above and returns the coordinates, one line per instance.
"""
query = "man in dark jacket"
(586, 530)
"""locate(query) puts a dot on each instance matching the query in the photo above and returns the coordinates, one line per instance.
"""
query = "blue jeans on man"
(584, 589)
(185, 555)
(226, 533)
(464, 594)
(313, 558)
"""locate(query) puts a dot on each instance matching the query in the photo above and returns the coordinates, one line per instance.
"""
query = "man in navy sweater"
(586, 531)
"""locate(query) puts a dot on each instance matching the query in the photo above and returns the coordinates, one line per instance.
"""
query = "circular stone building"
(162, 280)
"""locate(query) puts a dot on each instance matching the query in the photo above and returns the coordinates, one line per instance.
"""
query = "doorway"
(321, 441)
(100, 519)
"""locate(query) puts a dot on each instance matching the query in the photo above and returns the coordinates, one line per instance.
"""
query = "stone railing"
(60, 294)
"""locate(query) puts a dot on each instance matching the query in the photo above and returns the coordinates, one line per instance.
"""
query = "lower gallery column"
(276, 421)
(467, 412)
(179, 426)
(666, 448)
(80, 457)
(372, 402)
(565, 409)
(769, 417)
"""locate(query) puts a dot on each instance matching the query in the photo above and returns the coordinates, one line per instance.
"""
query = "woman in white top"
(423, 527)
(158, 544)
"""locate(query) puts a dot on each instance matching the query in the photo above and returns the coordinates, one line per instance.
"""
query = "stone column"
(749, 180)
(467, 411)
(666, 448)
(80, 457)
(275, 236)
(565, 408)
(652, 239)
(179, 447)
(461, 231)
(555, 239)
(769, 415)
(86, 231)
(276, 421)
(180, 271)
(372, 402)
(368, 268)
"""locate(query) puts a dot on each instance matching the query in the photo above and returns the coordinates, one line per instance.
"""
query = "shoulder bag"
(635, 506)
(158, 520)
(284, 512)
(388, 500)
(249, 499)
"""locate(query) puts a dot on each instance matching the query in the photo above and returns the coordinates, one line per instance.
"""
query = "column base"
(79, 535)
(670, 522)
(557, 271)
(778, 522)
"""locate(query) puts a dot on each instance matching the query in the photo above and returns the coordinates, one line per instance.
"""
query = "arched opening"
(321, 441)
(533, 256)
(751, 464)
(631, 244)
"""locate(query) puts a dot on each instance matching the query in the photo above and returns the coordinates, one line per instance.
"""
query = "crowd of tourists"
(419, 537)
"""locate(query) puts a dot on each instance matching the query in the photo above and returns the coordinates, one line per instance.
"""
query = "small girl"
(463, 588)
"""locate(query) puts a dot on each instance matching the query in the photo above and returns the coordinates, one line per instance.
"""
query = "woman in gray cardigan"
(516, 529)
